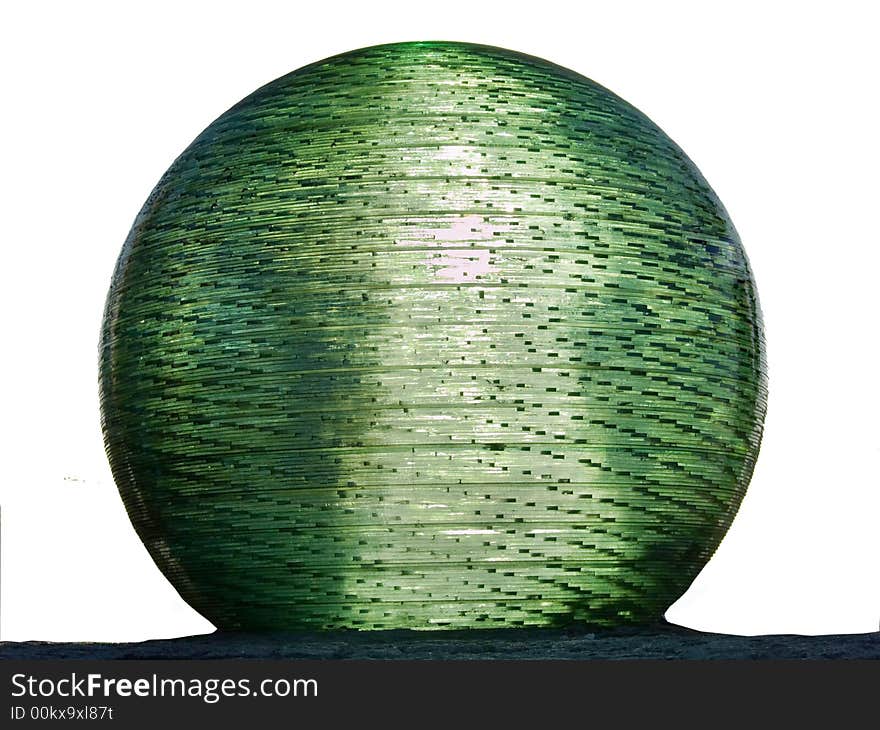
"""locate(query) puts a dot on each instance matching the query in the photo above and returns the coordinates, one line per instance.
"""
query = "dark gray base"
(658, 642)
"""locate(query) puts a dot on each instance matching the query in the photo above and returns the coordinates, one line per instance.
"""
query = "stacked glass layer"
(432, 335)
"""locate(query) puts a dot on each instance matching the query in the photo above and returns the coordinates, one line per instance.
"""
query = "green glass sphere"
(432, 335)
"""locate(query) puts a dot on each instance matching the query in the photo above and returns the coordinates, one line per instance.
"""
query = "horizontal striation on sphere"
(432, 335)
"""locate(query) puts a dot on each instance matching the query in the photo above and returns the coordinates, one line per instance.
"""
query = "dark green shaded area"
(432, 335)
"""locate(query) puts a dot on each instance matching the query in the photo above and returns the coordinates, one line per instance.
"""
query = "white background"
(776, 103)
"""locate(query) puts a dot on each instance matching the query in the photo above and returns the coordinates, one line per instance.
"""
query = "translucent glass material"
(432, 335)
